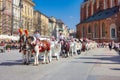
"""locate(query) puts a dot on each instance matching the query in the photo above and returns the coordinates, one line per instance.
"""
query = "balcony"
(60, 29)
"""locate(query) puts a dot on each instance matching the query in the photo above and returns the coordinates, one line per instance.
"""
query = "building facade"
(27, 15)
(37, 20)
(99, 20)
(61, 28)
(45, 31)
(41, 23)
(16, 16)
(72, 33)
(52, 26)
(65, 31)
(56, 27)
(5, 17)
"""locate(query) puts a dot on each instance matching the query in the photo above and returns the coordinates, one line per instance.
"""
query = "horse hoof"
(24, 63)
(46, 62)
(27, 63)
(43, 63)
(35, 64)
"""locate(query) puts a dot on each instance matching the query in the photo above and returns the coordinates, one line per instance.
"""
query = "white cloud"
(71, 17)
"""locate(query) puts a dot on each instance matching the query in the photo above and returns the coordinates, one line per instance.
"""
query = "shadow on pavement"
(114, 59)
(115, 68)
(101, 63)
(11, 63)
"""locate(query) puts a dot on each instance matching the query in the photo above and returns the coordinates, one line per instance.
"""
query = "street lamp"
(12, 22)
(57, 32)
(21, 6)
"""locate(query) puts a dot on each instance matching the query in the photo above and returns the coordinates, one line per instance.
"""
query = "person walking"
(61, 37)
(110, 45)
(37, 35)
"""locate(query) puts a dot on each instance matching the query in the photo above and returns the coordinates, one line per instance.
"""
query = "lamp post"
(57, 32)
(12, 19)
(21, 6)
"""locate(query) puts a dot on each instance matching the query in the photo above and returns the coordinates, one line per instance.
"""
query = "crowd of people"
(15, 44)
(111, 45)
(10, 44)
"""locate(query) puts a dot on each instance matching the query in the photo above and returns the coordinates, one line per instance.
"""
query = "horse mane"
(30, 39)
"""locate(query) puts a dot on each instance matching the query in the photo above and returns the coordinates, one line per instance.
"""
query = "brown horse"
(65, 47)
(25, 49)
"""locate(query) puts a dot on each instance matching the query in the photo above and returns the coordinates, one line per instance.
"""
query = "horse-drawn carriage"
(38, 47)
(47, 48)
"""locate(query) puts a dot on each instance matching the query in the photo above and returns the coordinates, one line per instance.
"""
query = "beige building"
(52, 26)
(56, 27)
(41, 23)
(16, 17)
(27, 15)
(65, 31)
(5, 16)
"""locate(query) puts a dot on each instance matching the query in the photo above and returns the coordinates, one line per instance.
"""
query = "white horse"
(72, 48)
(78, 47)
(57, 50)
(75, 47)
(40, 47)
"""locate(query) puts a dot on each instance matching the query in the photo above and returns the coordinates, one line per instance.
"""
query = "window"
(113, 33)
(86, 10)
(105, 4)
(111, 3)
(83, 31)
(95, 31)
(89, 29)
(119, 29)
(115, 2)
(101, 5)
(27, 25)
(0, 5)
(103, 30)
(25, 9)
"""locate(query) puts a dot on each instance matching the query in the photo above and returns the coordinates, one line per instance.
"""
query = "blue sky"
(66, 10)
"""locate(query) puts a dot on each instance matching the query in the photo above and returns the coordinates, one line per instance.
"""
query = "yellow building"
(44, 25)
(27, 15)
(41, 23)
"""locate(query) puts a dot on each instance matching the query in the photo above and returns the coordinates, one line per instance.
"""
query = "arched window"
(83, 31)
(89, 29)
(92, 8)
(95, 31)
(113, 3)
(27, 25)
(87, 6)
(116, 2)
(105, 4)
(119, 28)
(103, 29)
(113, 33)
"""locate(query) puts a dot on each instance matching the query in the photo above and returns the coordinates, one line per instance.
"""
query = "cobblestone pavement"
(96, 64)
